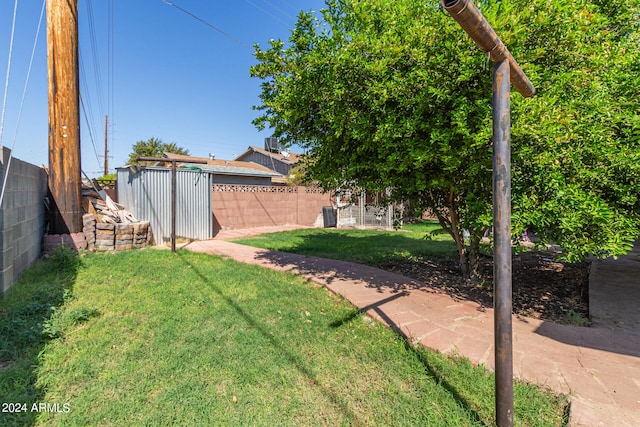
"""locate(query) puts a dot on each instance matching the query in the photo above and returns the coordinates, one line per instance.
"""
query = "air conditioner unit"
(271, 144)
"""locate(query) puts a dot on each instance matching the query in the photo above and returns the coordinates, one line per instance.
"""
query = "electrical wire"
(86, 118)
(94, 55)
(24, 94)
(6, 84)
(279, 10)
(86, 99)
(111, 71)
(229, 36)
(89, 117)
(265, 12)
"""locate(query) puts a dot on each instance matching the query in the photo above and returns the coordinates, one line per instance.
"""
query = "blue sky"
(173, 77)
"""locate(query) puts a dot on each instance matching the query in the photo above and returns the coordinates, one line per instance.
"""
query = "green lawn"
(153, 338)
(371, 247)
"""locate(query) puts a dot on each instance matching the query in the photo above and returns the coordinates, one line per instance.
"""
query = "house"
(272, 157)
(231, 171)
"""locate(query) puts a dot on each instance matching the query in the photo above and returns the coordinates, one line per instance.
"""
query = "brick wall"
(22, 217)
(247, 206)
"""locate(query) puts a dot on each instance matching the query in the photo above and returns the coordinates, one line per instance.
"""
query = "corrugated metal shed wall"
(147, 193)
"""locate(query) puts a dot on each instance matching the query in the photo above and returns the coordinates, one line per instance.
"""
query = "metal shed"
(146, 192)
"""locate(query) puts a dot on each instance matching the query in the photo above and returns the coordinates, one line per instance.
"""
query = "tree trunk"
(469, 258)
(474, 258)
(451, 226)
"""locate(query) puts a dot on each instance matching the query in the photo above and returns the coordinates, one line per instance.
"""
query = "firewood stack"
(104, 209)
(107, 226)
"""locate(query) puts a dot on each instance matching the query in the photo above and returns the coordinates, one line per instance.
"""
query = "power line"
(24, 94)
(94, 55)
(95, 150)
(6, 85)
(278, 9)
(111, 68)
(85, 89)
(87, 100)
(229, 36)
(84, 94)
(265, 12)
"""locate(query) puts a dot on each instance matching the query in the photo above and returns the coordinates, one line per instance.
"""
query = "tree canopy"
(392, 94)
(153, 147)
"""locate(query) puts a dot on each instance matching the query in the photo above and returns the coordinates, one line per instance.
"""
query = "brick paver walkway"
(599, 368)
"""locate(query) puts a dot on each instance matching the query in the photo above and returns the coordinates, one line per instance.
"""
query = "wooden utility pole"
(65, 184)
(106, 146)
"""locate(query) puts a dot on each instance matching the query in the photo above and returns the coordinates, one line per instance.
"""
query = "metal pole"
(502, 239)
(467, 14)
(173, 205)
(173, 187)
(505, 70)
(106, 145)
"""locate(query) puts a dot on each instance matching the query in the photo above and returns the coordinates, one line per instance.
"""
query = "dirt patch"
(543, 287)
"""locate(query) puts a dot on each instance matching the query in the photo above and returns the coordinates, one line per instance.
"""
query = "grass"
(153, 338)
(372, 247)
(577, 319)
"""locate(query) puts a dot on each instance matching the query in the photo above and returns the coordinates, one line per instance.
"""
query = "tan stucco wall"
(247, 206)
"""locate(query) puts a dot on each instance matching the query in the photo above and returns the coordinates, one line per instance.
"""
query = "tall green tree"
(153, 147)
(393, 94)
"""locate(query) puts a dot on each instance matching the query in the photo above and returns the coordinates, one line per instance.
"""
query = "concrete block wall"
(248, 206)
(22, 217)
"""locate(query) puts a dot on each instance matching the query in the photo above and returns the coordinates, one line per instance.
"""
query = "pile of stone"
(105, 236)
(89, 230)
(142, 235)
(106, 226)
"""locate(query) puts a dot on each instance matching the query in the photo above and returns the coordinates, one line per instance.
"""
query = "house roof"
(226, 167)
(288, 158)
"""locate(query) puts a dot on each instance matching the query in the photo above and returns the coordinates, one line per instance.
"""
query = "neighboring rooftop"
(281, 156)
(226, 167)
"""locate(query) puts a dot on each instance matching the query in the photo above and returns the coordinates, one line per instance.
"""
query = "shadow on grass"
(375, 307)
(441, 379)
(27, 322)
(279, 345)
(317, 256)
(301, 366)
(366, 246)
(432, 371)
